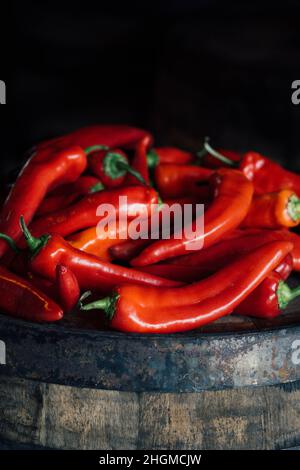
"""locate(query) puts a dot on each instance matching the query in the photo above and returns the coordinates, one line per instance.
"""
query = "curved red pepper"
(139, 163)
(111, 135)
(191, 273)
(83, 214)
(239, 243)
(150, 310)
(68, 288)
(19, 298)
(175, 181)
(268, 299)
(268, 176)
(161, 155)
(233, 195)
(65, 195)
(91, 272)
(45, 170)
(274, 210)
(44, 285)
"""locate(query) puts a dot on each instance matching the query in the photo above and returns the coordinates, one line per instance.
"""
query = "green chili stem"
(108, 304)
(286, 294)
(97, 187)
(34, 244)
(116, 165)
(152, 159)
(130, 170)
(294, 208)
(207, 148)
(94, 148)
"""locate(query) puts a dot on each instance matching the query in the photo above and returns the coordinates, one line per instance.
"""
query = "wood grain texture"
(57, 416)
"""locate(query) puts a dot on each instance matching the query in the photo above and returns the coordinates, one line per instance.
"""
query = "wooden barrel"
(234, 384)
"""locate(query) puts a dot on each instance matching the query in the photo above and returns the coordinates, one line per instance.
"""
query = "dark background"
(183, 69)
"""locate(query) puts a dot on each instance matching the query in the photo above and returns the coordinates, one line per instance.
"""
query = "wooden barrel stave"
(62, 417)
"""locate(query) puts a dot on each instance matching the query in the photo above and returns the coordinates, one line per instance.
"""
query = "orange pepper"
(274, 210)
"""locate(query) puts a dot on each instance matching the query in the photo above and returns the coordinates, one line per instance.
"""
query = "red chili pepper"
(45, 170)
(161, 155)
(239, 243)
(85, 184)
(44, 285)
(54, 203)
(83, 214)
(139, 163)
(192, 273)
(269, 299)
(150, 310)
(274, 210)
(285, 268)
(65, 195)
(268, 176)
(179, 272)
(111, 166)
(19, 298)
(173, 181)
(112, 135)
(233, 195)
(68, 288)
(91, 272)
(126, 250)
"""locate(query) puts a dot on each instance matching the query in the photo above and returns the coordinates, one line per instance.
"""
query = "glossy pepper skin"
(111, 135)
(68, 288)
(191, 273)
(268, 299)
(233, 196)
(91, 272)
(43, 171)
(268, 176)
(83, 214)
(169, 155)
(175, 181)
(150, 310)
(99, 244)
(140, 163)
(19, 298)
(129, 249)
(274, 210)
(239, 243)
(65, 195)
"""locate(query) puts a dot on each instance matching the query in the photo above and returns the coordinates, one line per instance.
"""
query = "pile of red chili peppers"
(55, 263)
